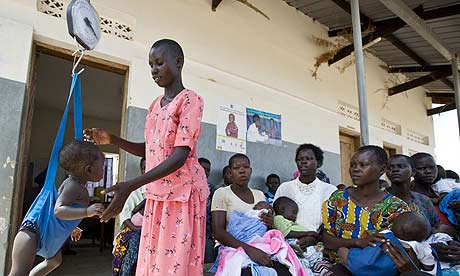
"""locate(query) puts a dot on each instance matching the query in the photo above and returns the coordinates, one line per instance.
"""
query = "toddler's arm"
(63, 209)
(301, 234)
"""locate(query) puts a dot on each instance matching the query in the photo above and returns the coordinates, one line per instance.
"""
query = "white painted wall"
(16, 42)
(236, 56)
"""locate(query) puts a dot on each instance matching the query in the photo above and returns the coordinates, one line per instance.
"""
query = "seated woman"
(410, 231)
(425, 174)
(353, 217)
(400, 170)
(239, 197)
(308, 192)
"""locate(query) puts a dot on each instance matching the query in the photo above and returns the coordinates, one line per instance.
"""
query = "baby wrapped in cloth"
(248, 228)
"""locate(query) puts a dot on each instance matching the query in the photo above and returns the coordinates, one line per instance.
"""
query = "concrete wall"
(265, 159)
(14, 59)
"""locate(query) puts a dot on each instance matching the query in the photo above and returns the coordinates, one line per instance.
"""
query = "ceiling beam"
(215, 4)
(405, 49)
(380, 31)
(431, 14)
(415, 69)
(344, 5)
(442, 100)
(441, 109)
(418, 82)
(404, 12)
(427, 15)
(448, 83)
(410, 53)
(441, 95)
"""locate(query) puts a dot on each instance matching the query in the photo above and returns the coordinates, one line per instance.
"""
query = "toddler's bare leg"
(24, 247)
(45, 267)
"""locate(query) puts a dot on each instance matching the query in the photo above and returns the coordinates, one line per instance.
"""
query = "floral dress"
(344, 219)
(173, 229)
(423, 204)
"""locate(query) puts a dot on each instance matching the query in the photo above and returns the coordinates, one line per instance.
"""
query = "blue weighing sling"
(51, 231)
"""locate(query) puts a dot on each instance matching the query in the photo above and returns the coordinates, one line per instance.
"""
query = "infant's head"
(261, 205)
(411, 226)
(82, 159)
(286, 207)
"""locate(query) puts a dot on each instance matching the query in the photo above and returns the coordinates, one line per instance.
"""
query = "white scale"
(83, 23)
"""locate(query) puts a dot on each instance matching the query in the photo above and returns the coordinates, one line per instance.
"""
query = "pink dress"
(173, 229)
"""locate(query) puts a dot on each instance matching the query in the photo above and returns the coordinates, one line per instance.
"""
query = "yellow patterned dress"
(343, 218)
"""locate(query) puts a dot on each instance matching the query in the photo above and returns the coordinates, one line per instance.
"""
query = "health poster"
(231, 129)
(263, 127)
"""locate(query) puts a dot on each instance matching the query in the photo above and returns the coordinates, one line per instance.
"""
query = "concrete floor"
(87, 262)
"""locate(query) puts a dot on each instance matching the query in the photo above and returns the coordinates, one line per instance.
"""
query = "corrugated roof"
(329, 13)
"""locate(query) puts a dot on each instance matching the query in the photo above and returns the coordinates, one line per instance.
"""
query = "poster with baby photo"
(231, 129)
(263, 127)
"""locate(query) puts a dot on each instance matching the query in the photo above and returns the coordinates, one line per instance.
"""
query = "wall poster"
(263, 127)
(231, 129)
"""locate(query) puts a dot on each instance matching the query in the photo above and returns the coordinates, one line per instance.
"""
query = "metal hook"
(76, 61)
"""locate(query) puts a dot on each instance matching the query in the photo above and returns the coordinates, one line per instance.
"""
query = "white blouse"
(309, 198)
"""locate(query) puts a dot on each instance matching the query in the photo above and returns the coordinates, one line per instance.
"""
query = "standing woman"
(173, 229)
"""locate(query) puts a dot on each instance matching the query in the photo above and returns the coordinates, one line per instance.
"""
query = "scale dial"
(83, 23)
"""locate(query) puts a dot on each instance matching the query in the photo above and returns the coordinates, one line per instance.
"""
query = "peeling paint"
(9, 162)
(3, 225)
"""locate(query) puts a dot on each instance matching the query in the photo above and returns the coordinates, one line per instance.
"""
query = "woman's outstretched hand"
(98, 136)
(120, 195)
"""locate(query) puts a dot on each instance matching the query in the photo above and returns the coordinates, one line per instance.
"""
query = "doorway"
(391, 149)
(349, 144)
(103, 86)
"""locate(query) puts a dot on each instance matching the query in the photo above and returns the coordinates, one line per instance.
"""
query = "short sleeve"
(431, 214)
(218, 201)
(282, 224)
(133, 200)
(190, 113)
(395, 208)
(126, 212)
(282, 191)
(426, 207)
(258, 196)
(329, 215)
